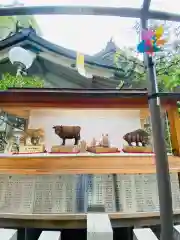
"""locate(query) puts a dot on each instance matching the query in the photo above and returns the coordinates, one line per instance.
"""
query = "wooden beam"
(174, 122)
(99, 226)
(114, 103)
(73, 98)
(82, 164)
(144, 233)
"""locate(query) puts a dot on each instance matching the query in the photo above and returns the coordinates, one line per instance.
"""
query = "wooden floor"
(82, 163)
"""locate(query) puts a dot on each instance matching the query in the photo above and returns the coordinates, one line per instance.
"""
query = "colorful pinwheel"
(151, 41)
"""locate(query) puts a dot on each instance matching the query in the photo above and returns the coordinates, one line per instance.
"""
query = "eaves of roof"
(47, 97)
(33, 39)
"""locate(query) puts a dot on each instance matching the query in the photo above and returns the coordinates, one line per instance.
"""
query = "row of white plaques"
(74, 193)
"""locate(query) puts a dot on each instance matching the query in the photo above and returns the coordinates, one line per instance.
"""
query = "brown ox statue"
(68, 132)
(137, 136)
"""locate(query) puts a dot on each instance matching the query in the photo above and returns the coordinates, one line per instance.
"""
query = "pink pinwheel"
(151, 41)
(147, 34)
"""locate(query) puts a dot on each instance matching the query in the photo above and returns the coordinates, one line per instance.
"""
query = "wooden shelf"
(82, 163)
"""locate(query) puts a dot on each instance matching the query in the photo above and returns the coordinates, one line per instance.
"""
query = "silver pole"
(162, 165)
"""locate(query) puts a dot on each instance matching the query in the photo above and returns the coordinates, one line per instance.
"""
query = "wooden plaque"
(32, 149)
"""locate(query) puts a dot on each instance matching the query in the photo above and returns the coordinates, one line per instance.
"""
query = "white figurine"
(93, 143)
(105, 141)
(83, 146)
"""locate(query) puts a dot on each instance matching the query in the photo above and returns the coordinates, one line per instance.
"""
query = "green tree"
(168, 61)
(9, 81)
(167, 67)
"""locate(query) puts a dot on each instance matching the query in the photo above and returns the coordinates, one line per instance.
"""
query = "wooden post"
(144, 234)
(99, 227)
(8, 234)
(50, 235)
(174, 122)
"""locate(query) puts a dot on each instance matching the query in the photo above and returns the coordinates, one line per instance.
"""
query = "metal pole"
(162, 165)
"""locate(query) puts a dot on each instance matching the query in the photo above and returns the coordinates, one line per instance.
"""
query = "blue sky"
(89, 34)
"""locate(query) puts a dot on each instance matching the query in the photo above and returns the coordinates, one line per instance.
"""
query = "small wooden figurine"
(138, 136)
(93, 143)
(36, 136)
(103, 146)
(68, 132)
(83, 146)
(141, 139)
(33, 141)
(105, 141)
